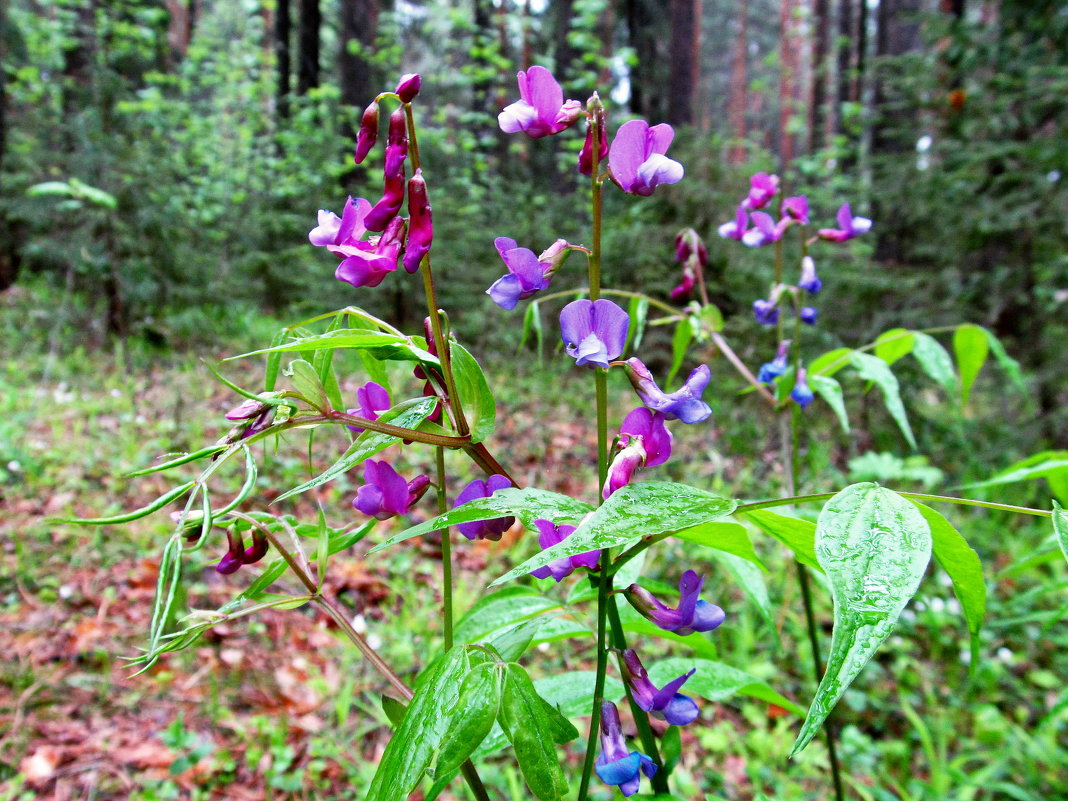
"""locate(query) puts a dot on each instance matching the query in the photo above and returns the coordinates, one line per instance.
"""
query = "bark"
(563, 53)
(359, 27)
(282, 30)
(789, 78)
(484, 34)
(819, 133)
(308, 68)
(647, 78)
(736, 105)
(685, 53)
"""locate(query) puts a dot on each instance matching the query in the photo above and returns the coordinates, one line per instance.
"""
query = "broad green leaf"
(432, 715)
(306, 381)
(874, 546)
(407, 414)
(1050, 465)
(831, 391)
(711, 319)
(796, 534)
(679, 342)
(638, 310)
(533, 733)
(479, 704)
(751, 580)
(475, 395)
(159, 503)
(671, 750)
(872, 368)
(935, 361)
(632, 512)
(731, 538)
(393, 708)
(527, 504)
(962, 565)
(501, 609)
(715, 681)
(511, 642)
(971, 345)
(830, 362)
(1060, 527)
(341, 338)
(894, 344)
(1006, 362)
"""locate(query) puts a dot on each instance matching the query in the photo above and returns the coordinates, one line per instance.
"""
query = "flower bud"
(420, 225)
(408, 87)
(368, 133)
(555, 255)
(585, 163)
(393, 192)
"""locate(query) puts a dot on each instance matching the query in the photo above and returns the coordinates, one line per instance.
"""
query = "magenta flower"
(683, 404)
(848, 226)
(594, 332)
(420, 223)
(764, 232)
(585, 162)
(393, 191)
(372, 399)
(809, 281)
(644, 441)
(258, 416)
(796, 209)
(408, 87)
(769, 371)
(801, 393)
(762, 188)
(238, 555)
(691, 251)
(637, 161)
(736, 228)
(368, 134)
(484, 529)
(542, 110)
(692, 614)
(549, 535)
(666, 704)
(615, 764)
(526, 274)
(386, 493)
(367, 263)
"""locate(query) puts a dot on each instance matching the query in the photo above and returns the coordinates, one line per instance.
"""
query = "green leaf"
(971, 345)
(872, 368)
(830, 362)
(679, 342)
(796, 534)
(407, 414)
(475, 395)
(751, 581)
(874, 546)
(715, 681)
(731, 538)
(532, 322)
(306, 381)
(342, 338)
(479, 704)
(962, 565)
(323, 549)
(894, 344)
(159, 503)
(632, 512)
(500, 610)
(184, 458)
(671, 748)
(1060, 527)
(831, 391)
(1006, 362)
(1050, 465)
(638, 310)
(528, 504)
(935, 361)
(393, 708)
(274, 361)
(532, 732)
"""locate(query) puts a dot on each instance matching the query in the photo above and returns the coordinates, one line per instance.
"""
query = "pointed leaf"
(479, 702)
(532, 732)
(874, 546)
(502, 609)
(475, 396)
(894, 344)
(971, 345)
(715, 681)
(751, 581)
(306, 381)
(632, 512)
(1006, 362)
(159, 503)
(1060, 527)
(731, 538)
(638, 310)
(831, 391)
(872, 368)
(796, 534)
(830, 362)
(679, 342)
(935, 361)
(1050, 465)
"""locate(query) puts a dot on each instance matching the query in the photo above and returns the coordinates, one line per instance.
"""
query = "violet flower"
(542, 110)
(809, 281)
(585, 161)
(594, 332)
(663, 704)
(737, 228)
(386, 493)
(484, 529)
(644, 441)
(372, 399)
(368, 134)
(238, 555)
(257, 414)
(766, 311)
(637, 161)
(683, 404)
(801, 393)
(691, 614)
(808, 315)
(848, 226)
(408, 87)
(367, 263)
(420, 223)
(549, 535)
(763, 232)
(393, 191)
(691, 251)
(796, 209)
(769, 371)
(616, 765)
(526, 274)
(689, 281)
(762, 188)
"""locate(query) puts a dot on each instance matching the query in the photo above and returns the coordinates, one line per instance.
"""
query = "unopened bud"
(368, 133)
(408, 87)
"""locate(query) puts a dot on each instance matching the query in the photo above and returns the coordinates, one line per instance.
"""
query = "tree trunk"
(736, 105)
(359, 27)
(308, 69)
(646, 32)
(685, 57)
(282, 28)
(484, 34)
(563, 53)
(818, 132)
(789, 78)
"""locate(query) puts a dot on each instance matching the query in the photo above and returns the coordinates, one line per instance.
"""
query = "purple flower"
(585, 162)
(367, 263)
(549, 535)
(808, 315)
(386, 493)
(737, 228)
(796, 209)
(764, 232)
(484, 529)
(683, 404)
(691, 615)
(408, 87)
(368, 133)
(420, 224)
(809, 281)
(644, 441)
(848, 226)
(766, 311)
(393, 192)
(372, 399)
(594, 331)
(666, 704)
(542, 110)
(615, 764)
(526, 274)
(762, 188)
(689, 244)
(769, 371)
(238, 555)
(637, 161)
(257, 414)
(801, 393)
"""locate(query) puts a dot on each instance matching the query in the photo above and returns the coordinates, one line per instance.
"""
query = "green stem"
(600, 378)
(446, 552)
(602, 669)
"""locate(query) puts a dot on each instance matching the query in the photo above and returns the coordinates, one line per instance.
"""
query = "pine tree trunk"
(685, 53)
(359, 27)
(283, 65)
(736, 105)
(308, 68)
(818, 132)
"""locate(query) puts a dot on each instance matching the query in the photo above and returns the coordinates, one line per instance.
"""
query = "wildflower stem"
(603, 584)
(446, 552)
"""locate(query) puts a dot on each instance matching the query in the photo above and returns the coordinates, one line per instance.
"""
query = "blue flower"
(769, 371)
(484, 529)
(692, 614)
(616, 765)
(801, 392)
(663, 704)
(683, 404)
(809, 281)
(766, 311)
(594, 331)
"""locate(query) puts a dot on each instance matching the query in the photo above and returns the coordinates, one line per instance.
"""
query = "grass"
(277, 705)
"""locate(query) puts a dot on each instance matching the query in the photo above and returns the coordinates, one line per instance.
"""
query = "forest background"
(161, 162)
